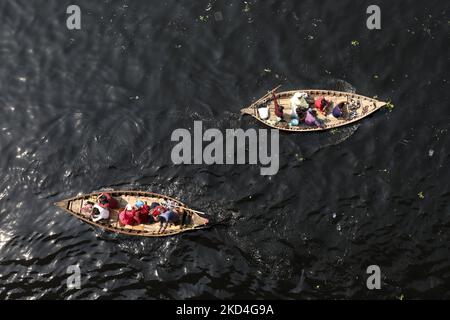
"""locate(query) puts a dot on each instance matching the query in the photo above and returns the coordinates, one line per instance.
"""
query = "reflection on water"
(96, 108)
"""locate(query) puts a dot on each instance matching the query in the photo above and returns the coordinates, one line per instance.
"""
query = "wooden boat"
(357, 107)
(193, 221)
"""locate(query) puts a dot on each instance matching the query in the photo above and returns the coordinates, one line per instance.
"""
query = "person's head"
(139, 204)
(323, 103)
(129, 207)
(102, 199)
(95, 211)
(301, 114)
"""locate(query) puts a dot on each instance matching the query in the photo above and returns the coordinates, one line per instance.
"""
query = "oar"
(192, 210)
(263, 97)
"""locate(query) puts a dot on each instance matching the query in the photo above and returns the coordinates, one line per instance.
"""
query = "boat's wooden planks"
(366, 106)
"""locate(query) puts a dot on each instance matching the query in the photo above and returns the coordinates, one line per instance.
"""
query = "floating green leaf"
(390, 106)
(421, 195)
(355, 43)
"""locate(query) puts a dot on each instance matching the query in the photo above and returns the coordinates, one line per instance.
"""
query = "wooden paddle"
(262, 98)
(192, 210)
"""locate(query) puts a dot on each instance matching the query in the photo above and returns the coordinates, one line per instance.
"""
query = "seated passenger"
(310, 119)
(87, 207)
(338, 110)
(128, 216)
(142, 212)
(99, 213)
(322, 104)
(298, 102)
(106, 201)
(166, 218)
(157, 210)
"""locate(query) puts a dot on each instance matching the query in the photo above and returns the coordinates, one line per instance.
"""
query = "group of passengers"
(166, 213)
(304, 109)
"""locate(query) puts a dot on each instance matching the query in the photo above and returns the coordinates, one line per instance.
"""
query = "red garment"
(318, 104)
(278, 111)
(141, 214)
(127, 217)
(158, 210)
(111, 202)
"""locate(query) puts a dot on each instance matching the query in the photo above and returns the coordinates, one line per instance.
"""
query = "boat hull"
(361, 107)
(74, 206)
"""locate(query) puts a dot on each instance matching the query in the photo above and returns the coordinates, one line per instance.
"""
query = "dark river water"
(95, 108)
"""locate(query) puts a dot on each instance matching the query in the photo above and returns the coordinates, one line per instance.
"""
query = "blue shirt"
(169, 216)
(337, 112)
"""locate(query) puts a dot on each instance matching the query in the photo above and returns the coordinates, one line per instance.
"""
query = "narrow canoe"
(194, 220)
(357, 108)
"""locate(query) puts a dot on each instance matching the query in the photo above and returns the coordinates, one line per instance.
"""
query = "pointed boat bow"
(63, 204)
(380, 104)
(248, 110)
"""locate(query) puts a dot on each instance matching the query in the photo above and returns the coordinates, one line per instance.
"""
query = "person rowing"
(278, 108)
(168, 217)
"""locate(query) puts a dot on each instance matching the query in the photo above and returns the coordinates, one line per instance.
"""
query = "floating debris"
(375, 76)
(421, 195)
(430, 152)
(355, 43)
(246, 6)
(267, 70)
(390, 106)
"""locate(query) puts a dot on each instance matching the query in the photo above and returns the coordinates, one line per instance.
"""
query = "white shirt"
(104, 213)
(298, 100)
